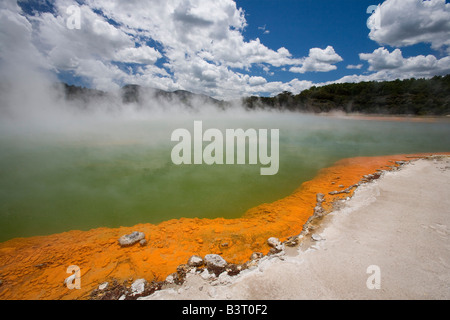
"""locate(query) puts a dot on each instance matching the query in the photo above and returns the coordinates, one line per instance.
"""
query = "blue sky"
(228, 49)
(301, 25)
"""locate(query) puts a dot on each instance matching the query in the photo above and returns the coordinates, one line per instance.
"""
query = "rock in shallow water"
(130, 239)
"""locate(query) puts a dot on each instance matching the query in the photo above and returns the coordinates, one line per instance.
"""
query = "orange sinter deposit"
(35, 268)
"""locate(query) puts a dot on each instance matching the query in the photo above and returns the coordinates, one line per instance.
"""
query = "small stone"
(195, 261)
(256, 255)
(138, 286)
(180, 275)
(130, 239)
(215, 263)
(182, 270)
(318, 211)
(320, 197)
(171, 278)
(316, 237)
(273, 242)
(143, 242)
(103, 286)
(251, 264)
(276, 245)
(292, 242)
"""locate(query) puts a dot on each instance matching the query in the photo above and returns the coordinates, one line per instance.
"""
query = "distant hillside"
(413, 97)
(408, 97)
(139, 95)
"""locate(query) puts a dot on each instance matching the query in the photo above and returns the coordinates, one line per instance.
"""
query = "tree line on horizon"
(403, 97)
(420, 97)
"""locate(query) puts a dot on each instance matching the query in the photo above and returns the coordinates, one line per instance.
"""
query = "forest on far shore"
(412, 96)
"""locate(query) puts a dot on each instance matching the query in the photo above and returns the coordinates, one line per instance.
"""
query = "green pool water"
(117, 172)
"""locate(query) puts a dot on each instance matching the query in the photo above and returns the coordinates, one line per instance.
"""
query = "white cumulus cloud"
(319, 60)
(195, 45)
(418, 66)
(401, 23)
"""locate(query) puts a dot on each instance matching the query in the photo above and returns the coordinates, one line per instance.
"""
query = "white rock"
(103, 286)
(256, 255)
(170, 279)
(273, 242)
(195, 261)
(138, 286)
(130, 239)
(320, 197)
(276, 244)
(215, 263)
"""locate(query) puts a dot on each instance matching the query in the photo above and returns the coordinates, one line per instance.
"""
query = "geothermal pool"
(113, 172)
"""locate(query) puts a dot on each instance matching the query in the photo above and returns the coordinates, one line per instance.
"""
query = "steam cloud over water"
(32, 96)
